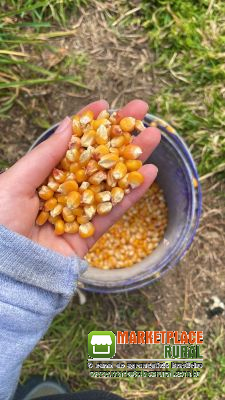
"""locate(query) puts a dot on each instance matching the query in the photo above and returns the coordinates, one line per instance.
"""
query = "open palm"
(20, 203)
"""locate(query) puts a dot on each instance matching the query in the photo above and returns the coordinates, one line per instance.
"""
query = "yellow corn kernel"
(123, 183)
(50, 204)
(85, 156)
(56, 210)
(98, 177)
(119, 170)
(84, 185)
(92, 167)
(64, 164)
(73, 154)
(77, 130)
(133, 165)
(114, 150)
(139, 125)
(88, 138)
(74, 167)
(74, 142)
(127, 124)
(83, 219)
(98, 122)
(102, 135)
(59, 227)
(97, 188)
(42, 218)
(135, 179)
(73, 200)
(87, 197)
(61, 198)
(115, 118)
(67, 186)
(53, 220)
(104, 208)
(58, 175)
(115, 131)
(90, 211)
(117, 141)
(103, 196)
(70, 176)
(127, 138)
(52, 184)
(67, 214)
(131, 152)
(45, 193)
(71, 227)
(77, 211)
(80, 175)
(100, 151)
(103, 114)
(86, 117)
(117, 195)
(111, 181)
(86, 230)
(108, 160)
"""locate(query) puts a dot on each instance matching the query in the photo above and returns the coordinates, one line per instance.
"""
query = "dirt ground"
(118, 68)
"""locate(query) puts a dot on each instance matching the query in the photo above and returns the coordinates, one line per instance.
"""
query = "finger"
(96, 107)
(148, 140)
(103, 223)
(135, 108)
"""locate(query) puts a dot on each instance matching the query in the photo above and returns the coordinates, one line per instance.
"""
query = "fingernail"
(63, 125)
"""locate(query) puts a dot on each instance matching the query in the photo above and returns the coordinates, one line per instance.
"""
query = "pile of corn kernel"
(134, 236)
(100, 166)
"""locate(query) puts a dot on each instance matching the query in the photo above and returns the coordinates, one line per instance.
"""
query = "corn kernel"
(139, 125)
(133, 165)
(98, 122)
(111, 181)
(85, 156)
(70, 176)
(42, 218)
(103, 114)
(117, 195)
(64, 164)
(82, 219)
(74, 167)
(97, 188)
(127, 138)
(84, 185)
(92, 167)
(90, 211)
(50, 204)
(88, 139)
(115, 131)
(102, 135)
(86, 230)
(58, 175)
(77, 211)
(86, 117)
(74, 142)
(114, 150)
(132, 152)
(123, 183)
(59, 227)
(73, 155)
(127, 124)
(67, 215)
(103, 196)
(45, 193)
(53, 220)
(100, 151)
(80, 175)
(117, 141)
(135, 179)
(67, 186)
(108, 160)
(97, 178)
(104, 208)
(52, 184)
(87, 197)
(56, 210)
(76, 127)
(119, 170)
(71, 227)
(62, 199)
(73, 200)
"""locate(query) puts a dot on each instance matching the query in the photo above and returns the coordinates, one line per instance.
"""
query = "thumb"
(32, 169)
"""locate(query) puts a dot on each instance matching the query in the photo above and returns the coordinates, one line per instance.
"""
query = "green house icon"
(101, 344)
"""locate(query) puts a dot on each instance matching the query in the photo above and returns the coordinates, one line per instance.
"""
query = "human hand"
(20, 203)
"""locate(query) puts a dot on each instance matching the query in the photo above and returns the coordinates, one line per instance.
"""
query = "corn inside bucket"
(134, 236)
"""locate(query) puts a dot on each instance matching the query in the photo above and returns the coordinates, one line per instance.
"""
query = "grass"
(25, 29)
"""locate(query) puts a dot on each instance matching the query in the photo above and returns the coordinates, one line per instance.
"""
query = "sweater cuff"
(27, 262)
